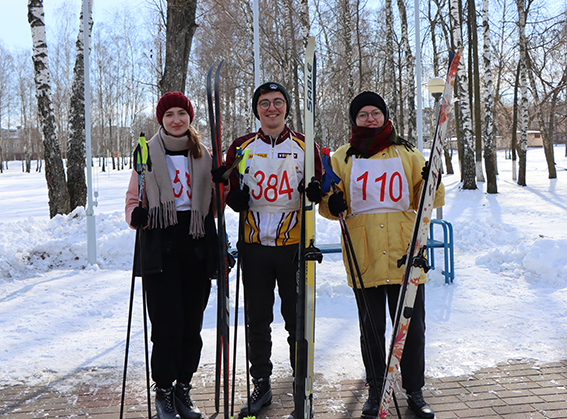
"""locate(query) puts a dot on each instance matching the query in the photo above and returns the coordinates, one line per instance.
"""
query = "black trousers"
(413, 358)
(177, 298)
(263, 267)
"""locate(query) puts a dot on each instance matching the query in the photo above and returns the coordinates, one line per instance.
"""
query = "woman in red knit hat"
(179, 244)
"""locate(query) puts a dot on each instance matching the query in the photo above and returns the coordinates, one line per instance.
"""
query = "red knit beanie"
(172, 100)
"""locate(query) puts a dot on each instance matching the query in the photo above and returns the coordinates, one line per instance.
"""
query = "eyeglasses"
(363, 116)
(265, 104)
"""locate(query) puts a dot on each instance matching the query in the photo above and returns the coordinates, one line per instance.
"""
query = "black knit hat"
(364, 99)
(268, 87)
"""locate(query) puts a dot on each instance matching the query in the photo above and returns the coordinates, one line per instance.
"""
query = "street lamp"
(436, 86)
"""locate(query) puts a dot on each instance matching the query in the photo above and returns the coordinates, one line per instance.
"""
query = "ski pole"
(127, 338)
(240, 165)
(355, 273)
(142, 163)
(239, 156)
(237, 296)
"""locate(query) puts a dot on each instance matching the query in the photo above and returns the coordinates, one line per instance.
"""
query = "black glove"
(425, 174)
(139, 217)
(217, 175)
(313, 191)
(337, 203)
(239, 199)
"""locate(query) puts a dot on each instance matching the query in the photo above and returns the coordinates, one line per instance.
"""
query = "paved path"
(512, 390)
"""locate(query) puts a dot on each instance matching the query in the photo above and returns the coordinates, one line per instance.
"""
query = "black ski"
(222, 354)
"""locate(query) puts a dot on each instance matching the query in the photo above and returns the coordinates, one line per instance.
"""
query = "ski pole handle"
(329, 177)
(141, 163)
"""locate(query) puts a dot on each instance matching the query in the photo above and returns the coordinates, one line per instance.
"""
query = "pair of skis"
(308, 254)
(222, 350)
(414, 259)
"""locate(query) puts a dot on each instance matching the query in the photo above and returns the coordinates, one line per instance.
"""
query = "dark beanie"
(267, 88)
(173, 100)
(364, 99)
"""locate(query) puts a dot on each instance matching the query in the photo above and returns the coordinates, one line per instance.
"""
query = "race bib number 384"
(271, 187)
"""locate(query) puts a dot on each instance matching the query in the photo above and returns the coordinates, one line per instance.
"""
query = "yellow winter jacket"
(380, 239)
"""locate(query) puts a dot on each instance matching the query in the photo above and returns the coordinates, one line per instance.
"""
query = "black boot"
(419, 407)
(371, 406)
(262, 396)
(184, 404)
(165, 406)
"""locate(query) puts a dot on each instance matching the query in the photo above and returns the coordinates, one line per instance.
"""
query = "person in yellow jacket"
(381, 179)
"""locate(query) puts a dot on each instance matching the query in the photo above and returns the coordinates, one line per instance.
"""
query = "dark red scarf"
(365, 142)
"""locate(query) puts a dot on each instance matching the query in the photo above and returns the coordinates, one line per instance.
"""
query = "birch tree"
(24, 91)
(54, 171)
(346, 41)
(489, 155)
(409, 64)
(389, 76)
(5, 88)
(523, 93)
(76, 157)
(436, 22)
(462, 106)
(473, 48)
(291, 60)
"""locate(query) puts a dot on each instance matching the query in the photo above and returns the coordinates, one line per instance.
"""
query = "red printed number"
(178, 185)
(393, 186)
(273, 187)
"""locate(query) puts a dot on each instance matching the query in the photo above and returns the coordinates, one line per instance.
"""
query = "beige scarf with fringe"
(159, 190)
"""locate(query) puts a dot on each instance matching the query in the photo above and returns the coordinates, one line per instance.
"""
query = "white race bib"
(378, 185)
(273, 184)
(180, 181)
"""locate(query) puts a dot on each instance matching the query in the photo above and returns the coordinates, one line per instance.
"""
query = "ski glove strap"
(337, 203)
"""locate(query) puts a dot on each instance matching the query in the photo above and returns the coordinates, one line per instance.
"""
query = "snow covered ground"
(508, 301)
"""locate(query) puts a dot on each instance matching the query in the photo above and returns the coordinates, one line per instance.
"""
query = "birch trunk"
(523, 94)
(409, 65)
(514, 143)
(347, 45)
(76, 160)
(54, 171)
(463, 108)
(489, 154)
(475, 90)
(292, 72)
(389, 74)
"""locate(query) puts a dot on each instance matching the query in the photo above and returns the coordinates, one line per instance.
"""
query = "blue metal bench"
(446, 244)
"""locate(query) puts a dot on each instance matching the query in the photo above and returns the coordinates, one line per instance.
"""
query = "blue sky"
(14, 28)
(15, 31)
